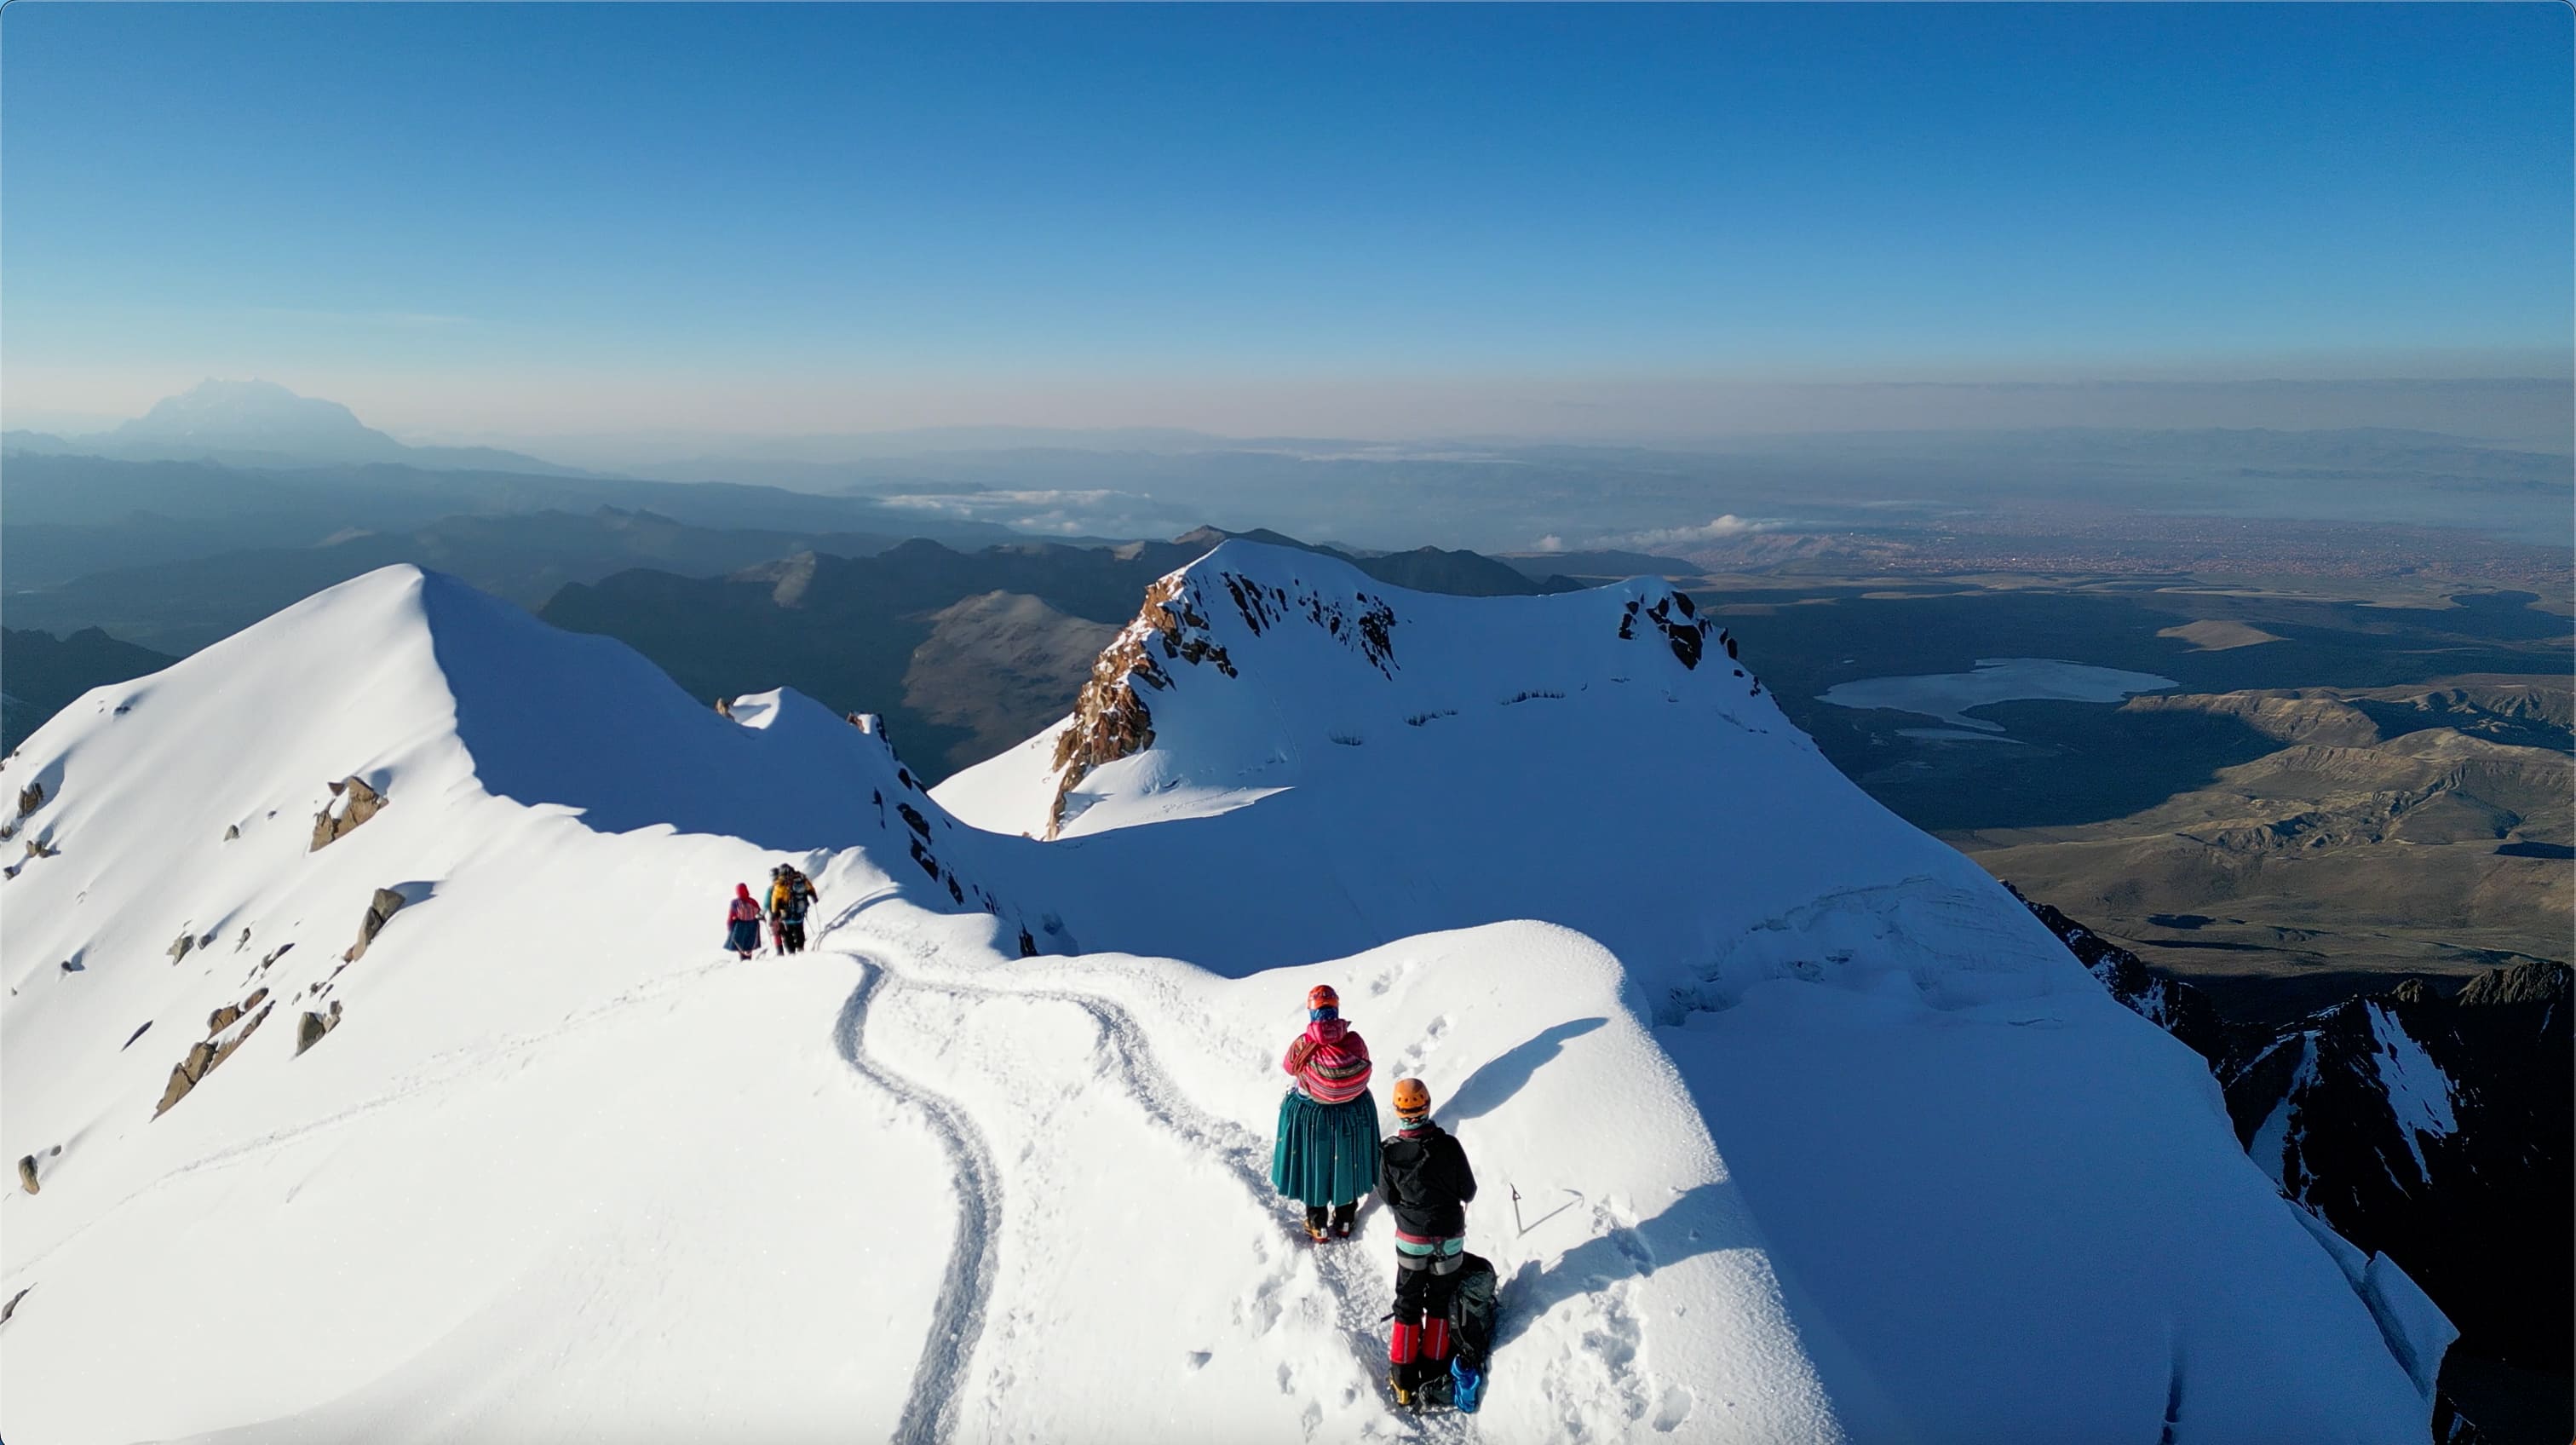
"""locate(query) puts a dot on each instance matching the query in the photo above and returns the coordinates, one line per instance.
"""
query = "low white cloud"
(1060, 512)
(1719, 529)
(1550, 543)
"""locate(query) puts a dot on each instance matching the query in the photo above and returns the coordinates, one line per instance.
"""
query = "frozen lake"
(1947, 696)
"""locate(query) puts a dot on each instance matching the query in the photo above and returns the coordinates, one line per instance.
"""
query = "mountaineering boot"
(1315, 1222)
(1343, 1217)
(1404, 1372)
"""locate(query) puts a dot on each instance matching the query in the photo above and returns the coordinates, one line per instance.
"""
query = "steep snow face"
(1814, 1138)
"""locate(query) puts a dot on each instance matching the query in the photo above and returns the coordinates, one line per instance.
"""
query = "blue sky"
(809, 217)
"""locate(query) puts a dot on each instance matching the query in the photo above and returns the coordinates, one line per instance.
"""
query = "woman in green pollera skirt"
(1326, 1154)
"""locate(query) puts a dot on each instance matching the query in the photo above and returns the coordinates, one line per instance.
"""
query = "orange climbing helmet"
(1321, 996)
(1412, 1101)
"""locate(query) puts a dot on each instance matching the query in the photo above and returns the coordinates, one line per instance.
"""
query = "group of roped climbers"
(791, 896)
(1328, 1155)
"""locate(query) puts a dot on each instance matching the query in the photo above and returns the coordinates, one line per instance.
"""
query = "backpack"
(1472, 1305)
(1473, 1302)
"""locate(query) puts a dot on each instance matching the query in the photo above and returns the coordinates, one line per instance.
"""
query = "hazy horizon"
(2529, 412)
(604, 228)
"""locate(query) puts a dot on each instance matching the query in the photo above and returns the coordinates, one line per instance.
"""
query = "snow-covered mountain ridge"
(1817, 1135)
(1112, 720)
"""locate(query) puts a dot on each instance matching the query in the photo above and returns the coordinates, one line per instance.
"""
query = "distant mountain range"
(262, 424)
(44, 673)
(183, 603)
(71, 516)
(966, 651)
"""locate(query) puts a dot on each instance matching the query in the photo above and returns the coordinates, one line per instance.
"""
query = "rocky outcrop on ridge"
(382, 908)
(352, 803)
(205, 1056)
(1113, 717)
(1110, 718)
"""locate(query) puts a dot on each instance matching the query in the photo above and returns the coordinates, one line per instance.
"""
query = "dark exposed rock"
(184, 1076)
(724, 707)
(27, 1173)
(232, 833)
(1110, 720)
(73, 965)
(1686, 633)
(2432, 1130)
(2531, 982)
(202, 1057)
(2169, 1004)
(182, 946)
(138, 1033)
(387, 903)
(30, 798)
(2436, 1131)
(224, 1050)
(2450, 1427)
(39, 848)
(353, 803)
(912, 819)
(11, 1307)
(310, 1028)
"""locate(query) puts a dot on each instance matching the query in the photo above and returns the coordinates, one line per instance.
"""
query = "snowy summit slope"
(1816, 1133)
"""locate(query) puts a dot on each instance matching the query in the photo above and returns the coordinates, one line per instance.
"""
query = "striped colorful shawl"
(1330, 1062)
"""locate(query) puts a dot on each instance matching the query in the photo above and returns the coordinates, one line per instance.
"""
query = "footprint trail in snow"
(958, 1320)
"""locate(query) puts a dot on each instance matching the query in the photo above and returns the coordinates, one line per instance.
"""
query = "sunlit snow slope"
(1817, 1136)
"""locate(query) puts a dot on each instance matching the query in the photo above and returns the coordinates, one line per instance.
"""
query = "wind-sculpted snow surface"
(1817, 1135)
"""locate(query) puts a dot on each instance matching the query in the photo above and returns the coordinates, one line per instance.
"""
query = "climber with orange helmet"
(1422, 1175)
(1325, 1155)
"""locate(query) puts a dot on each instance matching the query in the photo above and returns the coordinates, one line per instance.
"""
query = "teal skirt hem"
(1325, 1154)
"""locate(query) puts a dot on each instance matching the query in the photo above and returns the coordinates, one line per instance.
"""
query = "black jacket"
(1426, 1181)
